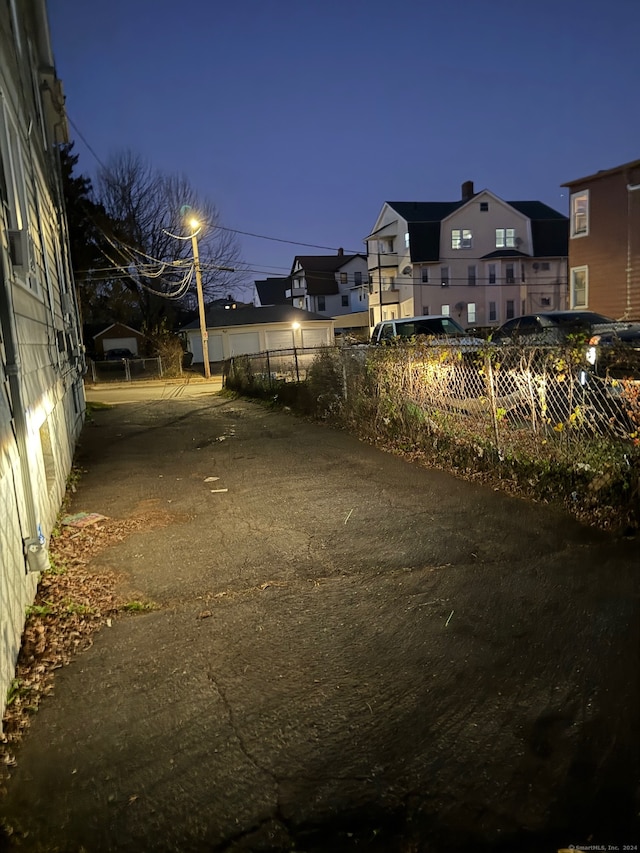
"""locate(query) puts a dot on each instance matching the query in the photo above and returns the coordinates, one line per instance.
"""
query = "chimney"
(340, 252)
(467, 190)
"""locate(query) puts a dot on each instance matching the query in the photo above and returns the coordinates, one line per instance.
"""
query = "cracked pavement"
(349, 652)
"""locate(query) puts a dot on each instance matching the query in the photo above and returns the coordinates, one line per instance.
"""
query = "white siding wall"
(48, 392)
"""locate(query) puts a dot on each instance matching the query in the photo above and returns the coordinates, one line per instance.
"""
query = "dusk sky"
(299, 118)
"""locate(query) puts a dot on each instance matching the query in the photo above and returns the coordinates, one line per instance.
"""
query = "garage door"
(121, 343)
(244, 342)
(279, 340)
(315, 337)
(215, 347)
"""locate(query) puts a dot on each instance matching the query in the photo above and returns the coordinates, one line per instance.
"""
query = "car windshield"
(433, 326)
(581, 318)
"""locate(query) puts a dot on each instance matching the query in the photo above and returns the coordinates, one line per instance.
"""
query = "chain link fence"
(526, 413)
(124, 369)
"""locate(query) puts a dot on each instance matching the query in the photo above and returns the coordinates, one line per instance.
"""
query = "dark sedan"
(611, 347)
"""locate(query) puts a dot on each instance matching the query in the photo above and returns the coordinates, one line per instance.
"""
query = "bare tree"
(149, 243)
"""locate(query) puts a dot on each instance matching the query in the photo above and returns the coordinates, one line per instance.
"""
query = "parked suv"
(440, 328)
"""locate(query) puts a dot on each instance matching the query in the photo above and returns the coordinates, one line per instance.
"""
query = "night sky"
(299, 118)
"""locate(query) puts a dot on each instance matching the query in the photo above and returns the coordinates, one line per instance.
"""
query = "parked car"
(439, 328)
(118, 354)
(612, 348)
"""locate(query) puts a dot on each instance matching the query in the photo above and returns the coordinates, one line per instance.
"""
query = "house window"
(545, 265)
(425, 275)
(425, 310)
(510, 275)
(505, 238)
(406, 239)
(580, 214)
(493, 314)
(492, 273)
(343, 278)
(579, 287)
(510, 309)
(385, 247)
(345, 300)
(471, 312)
(445, 310)
(357, 278)
(471, 275)
(322, 303)
(484, 206)
(522, 273)
(444, 276)
(461, 238)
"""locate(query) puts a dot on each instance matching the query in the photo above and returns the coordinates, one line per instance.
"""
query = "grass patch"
(138, 606)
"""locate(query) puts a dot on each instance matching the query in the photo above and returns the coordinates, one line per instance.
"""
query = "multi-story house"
(480, 259)
(330, 285)
(604, 244)
(41, 358)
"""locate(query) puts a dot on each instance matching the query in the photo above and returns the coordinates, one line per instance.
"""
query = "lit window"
(445, 310)
(406, 240)
(425, 275)
(471, 312)
(343, 278)
(505, 238)
(471, 275)
(461, 238)
(580, 214)
(579, 287)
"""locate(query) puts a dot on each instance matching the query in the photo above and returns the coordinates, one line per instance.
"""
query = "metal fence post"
(269, 369)
(160, 367)
(492, 396)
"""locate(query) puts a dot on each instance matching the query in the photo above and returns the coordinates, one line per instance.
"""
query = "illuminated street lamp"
(204, 334)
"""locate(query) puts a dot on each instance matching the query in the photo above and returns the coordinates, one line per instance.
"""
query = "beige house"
(480, 259)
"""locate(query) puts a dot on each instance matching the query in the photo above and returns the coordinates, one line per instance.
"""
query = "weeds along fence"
(535, 418)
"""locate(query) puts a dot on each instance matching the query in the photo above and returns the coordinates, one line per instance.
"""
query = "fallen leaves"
(74, 600)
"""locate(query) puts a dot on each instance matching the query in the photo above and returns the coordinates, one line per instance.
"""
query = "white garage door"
(243, 342)
(121, 343)
(214, 346)
(279, 340)
(315, 337)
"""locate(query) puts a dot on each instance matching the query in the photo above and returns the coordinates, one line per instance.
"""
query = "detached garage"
(249, 330)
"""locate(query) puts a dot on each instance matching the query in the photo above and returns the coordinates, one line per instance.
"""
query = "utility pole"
(203, 320)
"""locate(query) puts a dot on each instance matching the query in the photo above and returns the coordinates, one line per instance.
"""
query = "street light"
(204, 334)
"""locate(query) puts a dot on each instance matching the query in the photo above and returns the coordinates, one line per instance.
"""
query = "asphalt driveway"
(349, 652)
